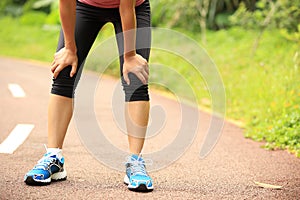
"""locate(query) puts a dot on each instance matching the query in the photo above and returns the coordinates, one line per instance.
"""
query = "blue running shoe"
(48, 168)
(136, 176)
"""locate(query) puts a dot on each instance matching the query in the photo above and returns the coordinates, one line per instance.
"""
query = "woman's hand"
(62, 59)
(138, 65)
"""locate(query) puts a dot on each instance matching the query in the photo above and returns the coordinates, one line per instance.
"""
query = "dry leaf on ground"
(269, 186)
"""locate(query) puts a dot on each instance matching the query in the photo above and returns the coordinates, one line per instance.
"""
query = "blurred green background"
(254, 43)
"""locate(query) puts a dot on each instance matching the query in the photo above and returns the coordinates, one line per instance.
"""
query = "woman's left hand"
(137, 65)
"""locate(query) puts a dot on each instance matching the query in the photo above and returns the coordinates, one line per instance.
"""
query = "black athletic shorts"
(89, 21)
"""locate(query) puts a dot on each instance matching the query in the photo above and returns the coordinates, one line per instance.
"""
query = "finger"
(74, 68)
(145, 65)
(141, 77)
(57, 71)
(147, 69)
(126, 78)
(53, 62)
(145, 72)
(53, 67)
(145, 75)
(145, 62)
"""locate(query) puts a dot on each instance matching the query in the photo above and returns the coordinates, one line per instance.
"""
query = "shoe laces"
(137, 165)
(45, 161)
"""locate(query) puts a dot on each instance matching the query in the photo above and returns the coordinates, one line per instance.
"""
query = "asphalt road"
(228, 172)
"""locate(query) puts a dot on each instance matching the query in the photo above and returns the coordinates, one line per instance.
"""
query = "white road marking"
(16, 90)
(16, 138)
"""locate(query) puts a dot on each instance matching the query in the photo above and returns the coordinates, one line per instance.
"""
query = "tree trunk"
(203, 6)
(265, 24)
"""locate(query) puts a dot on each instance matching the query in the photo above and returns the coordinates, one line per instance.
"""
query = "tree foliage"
(274, 14)
(224, 13)
(16, 8)
(185, 13)
(190, 15)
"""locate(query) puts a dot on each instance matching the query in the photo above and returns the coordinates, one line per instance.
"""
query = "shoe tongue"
(53, 156)
(136, 157)
(50, 154)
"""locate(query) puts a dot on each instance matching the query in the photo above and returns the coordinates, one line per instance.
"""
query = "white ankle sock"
(56, 151)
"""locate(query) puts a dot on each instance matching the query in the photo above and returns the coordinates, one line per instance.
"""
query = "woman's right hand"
(63, 58)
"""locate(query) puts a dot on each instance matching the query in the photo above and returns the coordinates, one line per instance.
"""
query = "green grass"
(27, 41)
(262, 89)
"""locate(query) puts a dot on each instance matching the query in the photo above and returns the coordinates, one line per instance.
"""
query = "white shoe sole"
(59, 176)
(126, 180)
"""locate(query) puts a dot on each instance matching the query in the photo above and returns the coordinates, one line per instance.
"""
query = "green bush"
(53, 17)
(11, 7)
(12, 10)
(3, 5)
(28, 6)
(38, 5)
(33, 18)
(186, 14)
(283, 14)
(283, 132)
(160, 12)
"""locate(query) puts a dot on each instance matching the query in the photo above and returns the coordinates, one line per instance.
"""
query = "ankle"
(55, 151)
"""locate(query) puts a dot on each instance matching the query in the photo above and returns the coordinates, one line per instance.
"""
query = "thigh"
(143, 33)
(136, 91)
(86, 30)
